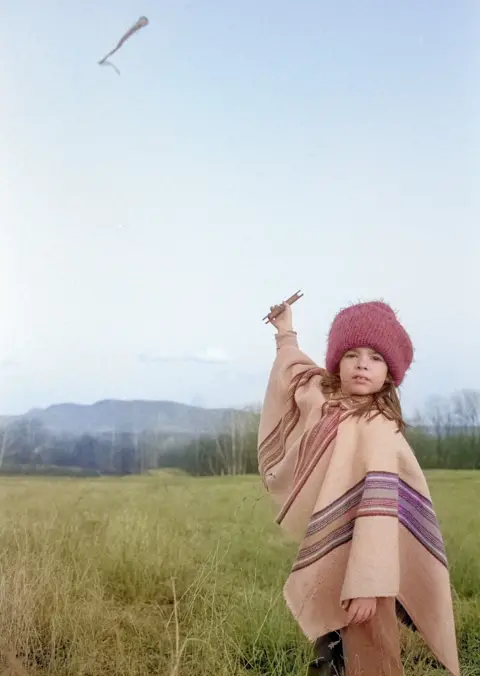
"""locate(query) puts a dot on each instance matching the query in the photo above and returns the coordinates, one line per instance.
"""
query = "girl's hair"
(386, 402)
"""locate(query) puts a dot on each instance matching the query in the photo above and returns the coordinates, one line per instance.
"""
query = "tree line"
(446, 435)
(27, 446)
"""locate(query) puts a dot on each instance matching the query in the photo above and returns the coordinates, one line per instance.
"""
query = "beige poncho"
(352, 493)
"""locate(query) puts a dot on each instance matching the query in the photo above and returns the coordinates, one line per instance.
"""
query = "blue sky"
(247, 150)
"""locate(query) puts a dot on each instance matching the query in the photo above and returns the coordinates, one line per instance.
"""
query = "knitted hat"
(372, 325)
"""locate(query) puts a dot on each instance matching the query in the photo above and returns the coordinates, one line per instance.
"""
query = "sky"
(247, 150)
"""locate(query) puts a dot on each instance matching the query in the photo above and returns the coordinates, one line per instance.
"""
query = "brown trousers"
(373, 648)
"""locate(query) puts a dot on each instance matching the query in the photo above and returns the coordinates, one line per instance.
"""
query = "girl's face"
(362, 371)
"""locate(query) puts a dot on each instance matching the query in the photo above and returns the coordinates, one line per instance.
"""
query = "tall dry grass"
(179, 576)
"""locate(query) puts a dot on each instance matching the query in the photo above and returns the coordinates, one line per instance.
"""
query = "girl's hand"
(361, 610)
(283, 322)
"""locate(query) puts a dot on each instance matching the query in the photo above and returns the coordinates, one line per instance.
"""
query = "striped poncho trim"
(379, 494)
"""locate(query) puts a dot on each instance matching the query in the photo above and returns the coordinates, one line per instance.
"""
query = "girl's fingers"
(360, 618)
(359, 613)
(368, 615)
(352, 613)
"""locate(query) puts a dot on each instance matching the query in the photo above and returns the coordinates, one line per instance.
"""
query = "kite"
(143, 21)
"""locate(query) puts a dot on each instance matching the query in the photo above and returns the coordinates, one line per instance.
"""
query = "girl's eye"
(377, 357)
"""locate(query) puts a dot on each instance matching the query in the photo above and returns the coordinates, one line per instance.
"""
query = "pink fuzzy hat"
(372, 325)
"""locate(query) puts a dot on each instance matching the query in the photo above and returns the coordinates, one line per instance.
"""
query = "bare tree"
(440, 416)
(466, 405)
(4, 436)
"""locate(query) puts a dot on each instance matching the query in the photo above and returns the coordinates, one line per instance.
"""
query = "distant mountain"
(131, 416)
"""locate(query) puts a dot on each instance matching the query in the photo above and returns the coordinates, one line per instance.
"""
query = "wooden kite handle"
(275, 313)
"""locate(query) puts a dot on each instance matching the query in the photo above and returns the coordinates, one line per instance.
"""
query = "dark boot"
(403, 616)
(328, 652)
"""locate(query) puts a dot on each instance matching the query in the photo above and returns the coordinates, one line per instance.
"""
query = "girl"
(333, 456)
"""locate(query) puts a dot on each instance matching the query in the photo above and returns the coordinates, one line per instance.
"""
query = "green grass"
(180, 577)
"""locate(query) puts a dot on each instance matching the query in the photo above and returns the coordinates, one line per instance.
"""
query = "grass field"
(180, 577)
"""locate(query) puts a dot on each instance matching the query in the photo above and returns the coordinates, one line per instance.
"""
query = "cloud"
(212, 355)
(215, 355)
